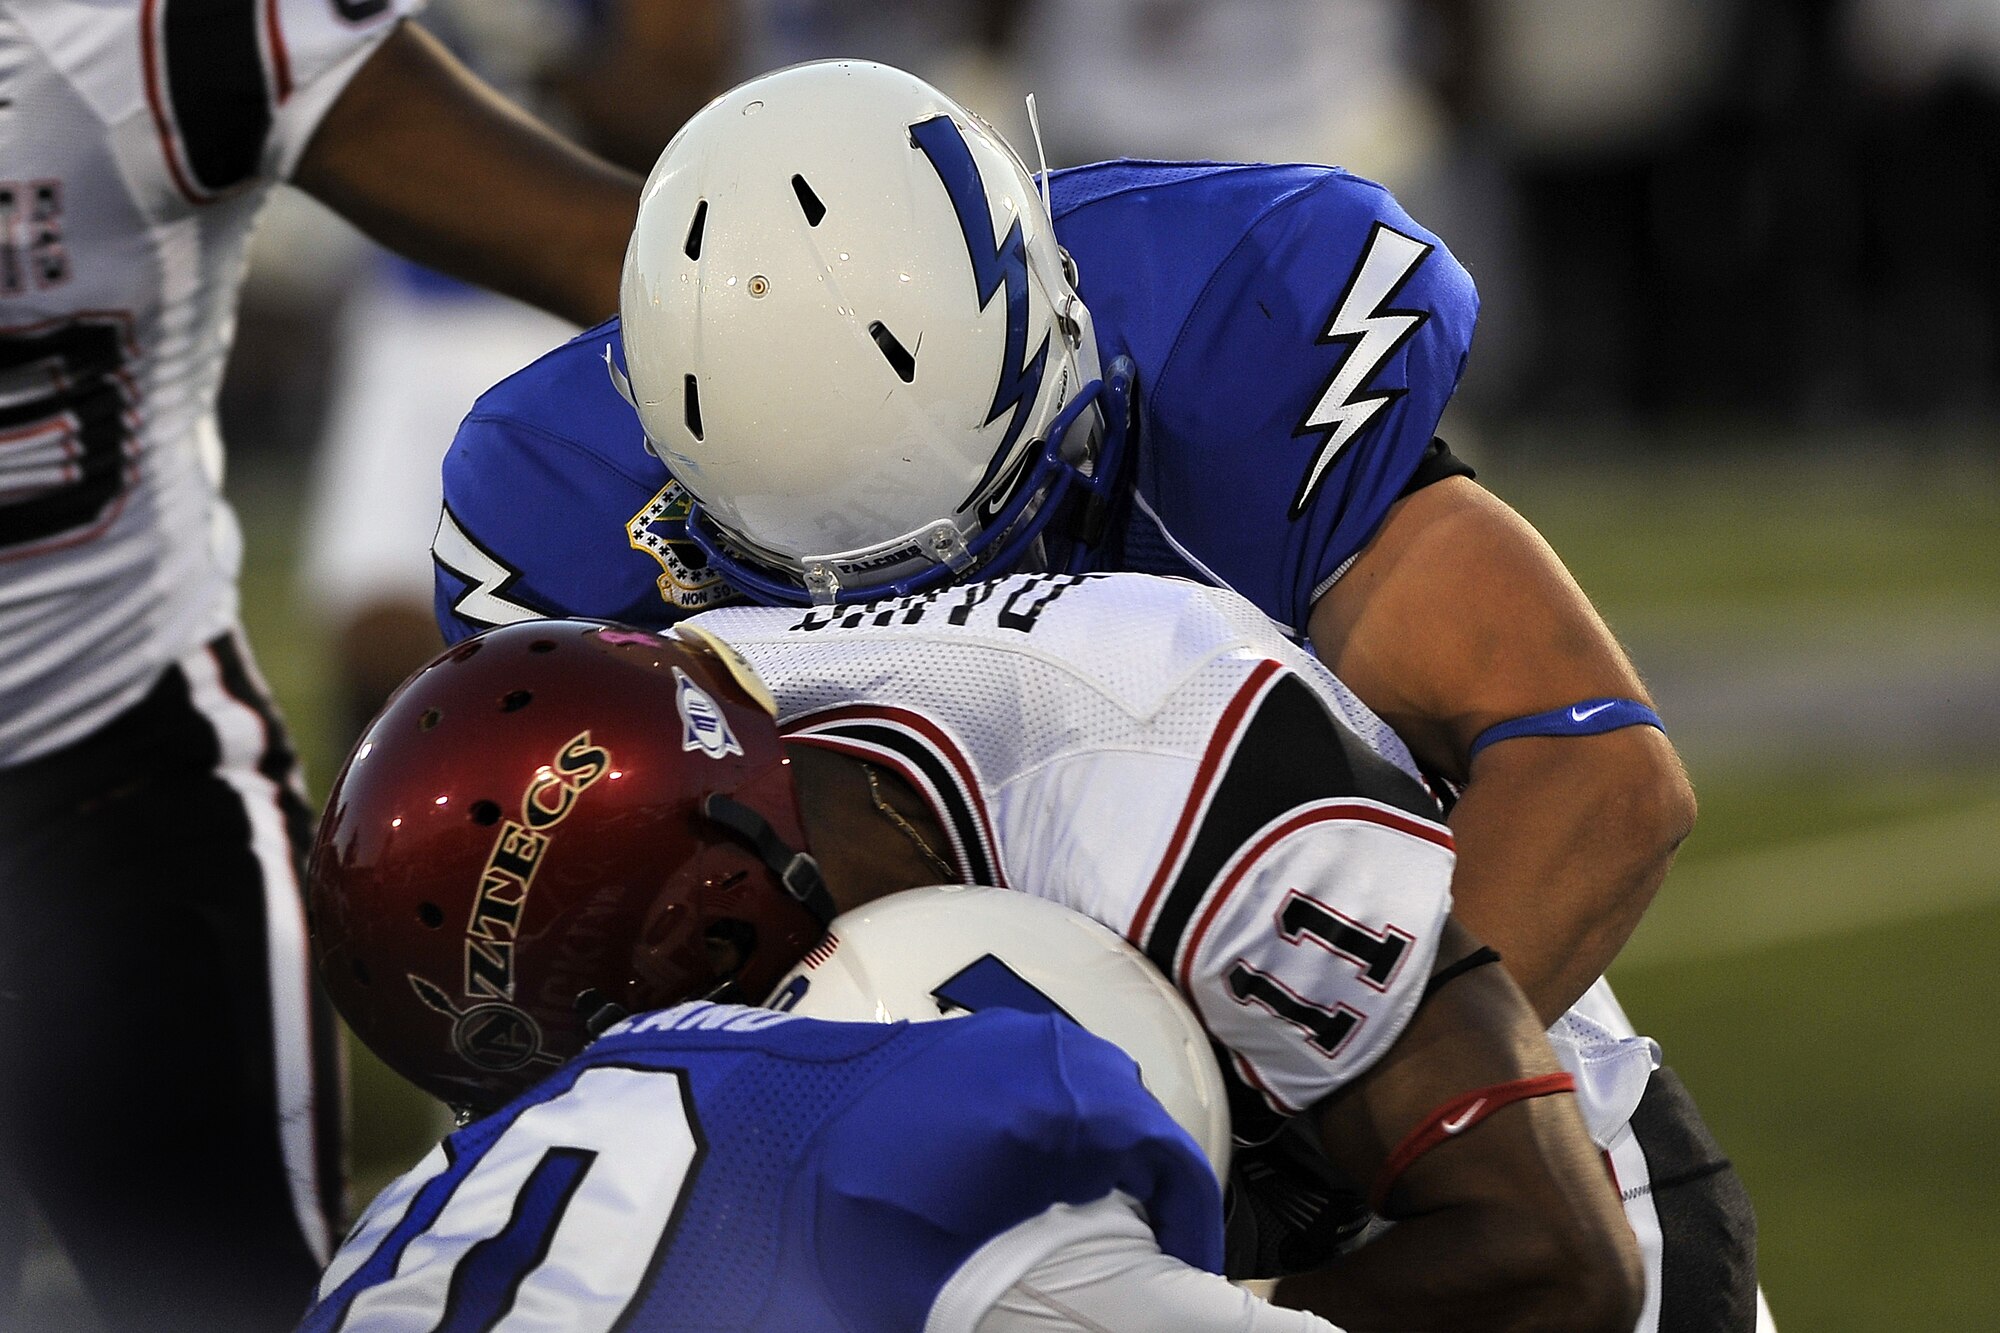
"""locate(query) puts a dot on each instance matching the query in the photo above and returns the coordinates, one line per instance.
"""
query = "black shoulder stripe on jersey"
(954, 802)
(217, 86)
(1293, 752)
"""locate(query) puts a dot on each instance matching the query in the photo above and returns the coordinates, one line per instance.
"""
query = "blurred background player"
(151, 821)
(558, 809)
(414, 348)
(1007, 1170)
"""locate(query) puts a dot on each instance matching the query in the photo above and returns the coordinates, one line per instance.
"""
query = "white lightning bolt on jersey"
(1359, 318)
(138, 142)
(1153, 754)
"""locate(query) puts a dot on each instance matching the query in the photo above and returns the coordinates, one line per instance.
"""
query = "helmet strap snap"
(796, 870)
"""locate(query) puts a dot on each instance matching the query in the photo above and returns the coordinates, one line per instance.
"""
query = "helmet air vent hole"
(809, 202)
(693, 408)
(515, 700)
(898, 356)
(465, 653)
(542, 646)
(693, 246)
(430, 914)
(431, 717)
(485, 813)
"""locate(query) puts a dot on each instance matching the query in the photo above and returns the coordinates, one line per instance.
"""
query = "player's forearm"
(435, 165)
(1562, 842)
(1489, 1267)
(660, 62)
(1467, 1136)
(1121, 1280)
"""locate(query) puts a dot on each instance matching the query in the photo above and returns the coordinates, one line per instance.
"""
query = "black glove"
(1287, 1211)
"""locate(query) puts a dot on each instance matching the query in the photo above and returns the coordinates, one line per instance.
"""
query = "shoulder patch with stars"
(660, 530)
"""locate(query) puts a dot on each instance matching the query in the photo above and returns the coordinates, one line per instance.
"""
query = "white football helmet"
(953, 949)
(850, 333)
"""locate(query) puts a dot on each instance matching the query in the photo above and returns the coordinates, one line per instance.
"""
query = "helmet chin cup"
(1061, 469)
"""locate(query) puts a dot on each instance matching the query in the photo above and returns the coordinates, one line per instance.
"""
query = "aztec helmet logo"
(491, 1035)
(491, 1032)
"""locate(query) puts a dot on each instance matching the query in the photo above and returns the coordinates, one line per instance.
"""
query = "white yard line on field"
(1911, 868)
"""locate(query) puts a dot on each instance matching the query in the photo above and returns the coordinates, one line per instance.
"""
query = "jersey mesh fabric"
(1139, 646)
(760, 1122)
(1074, 189)
(1032, 714)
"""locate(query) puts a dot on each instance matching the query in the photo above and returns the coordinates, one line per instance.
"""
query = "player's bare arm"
(1510, 1220)
(428, 160)
(658, 65)
(1456, 617)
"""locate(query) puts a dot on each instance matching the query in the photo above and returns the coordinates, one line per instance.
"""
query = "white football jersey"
(1154, 754)
(138, 141)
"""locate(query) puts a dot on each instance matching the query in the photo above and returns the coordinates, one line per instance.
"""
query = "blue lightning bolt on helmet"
(852, 337)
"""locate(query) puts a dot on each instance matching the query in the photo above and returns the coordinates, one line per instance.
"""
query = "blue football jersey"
(711, 1166)
(1296, 337)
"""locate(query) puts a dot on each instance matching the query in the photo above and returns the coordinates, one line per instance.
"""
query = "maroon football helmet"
(546, 826)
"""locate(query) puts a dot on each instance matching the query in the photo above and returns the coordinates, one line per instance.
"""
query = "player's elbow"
(1655, 802)
(1579, 1279)
(1604, 1286)
(1633, 809)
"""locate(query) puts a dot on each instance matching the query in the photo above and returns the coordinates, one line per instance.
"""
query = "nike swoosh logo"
(1462, 1119)
(1585, 714)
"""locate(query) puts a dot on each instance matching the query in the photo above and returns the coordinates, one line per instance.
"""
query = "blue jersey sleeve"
(984, 1134)
(1297, 336)
(553, 506)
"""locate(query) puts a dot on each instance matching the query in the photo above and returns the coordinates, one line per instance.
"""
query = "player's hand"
(1287, 1211)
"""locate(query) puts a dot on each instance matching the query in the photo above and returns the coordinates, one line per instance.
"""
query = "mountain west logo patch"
(703, 727)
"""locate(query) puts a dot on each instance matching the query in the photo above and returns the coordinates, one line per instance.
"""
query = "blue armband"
(1586, 717)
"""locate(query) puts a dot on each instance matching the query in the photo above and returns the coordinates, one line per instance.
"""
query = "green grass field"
(1819, 965)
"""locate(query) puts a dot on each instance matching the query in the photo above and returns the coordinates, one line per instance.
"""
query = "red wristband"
(1454, 1118)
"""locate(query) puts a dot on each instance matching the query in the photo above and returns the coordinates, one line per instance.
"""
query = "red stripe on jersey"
(940, 743)
(1248, 1073)
(882, 757)
(1342, 812)
(1228, 728)
(281, 63)
(156, 102)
